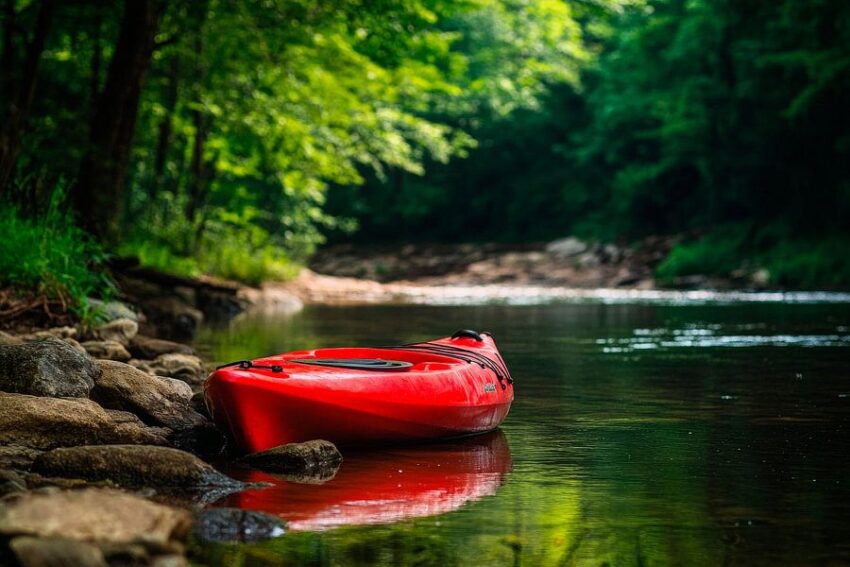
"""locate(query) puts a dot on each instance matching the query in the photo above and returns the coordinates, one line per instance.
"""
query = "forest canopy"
(232, 138)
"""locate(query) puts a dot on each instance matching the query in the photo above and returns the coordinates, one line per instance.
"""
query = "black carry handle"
(468, 334)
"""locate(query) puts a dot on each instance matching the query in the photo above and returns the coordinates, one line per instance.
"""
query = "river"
(650, 433)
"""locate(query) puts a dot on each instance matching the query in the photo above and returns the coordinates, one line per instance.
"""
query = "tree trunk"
(99, 192)
(166, 130)
(20, 98)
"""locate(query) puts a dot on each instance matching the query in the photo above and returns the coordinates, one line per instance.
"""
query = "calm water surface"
(640, 435)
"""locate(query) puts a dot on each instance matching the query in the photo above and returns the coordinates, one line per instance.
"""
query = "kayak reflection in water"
(383, 486)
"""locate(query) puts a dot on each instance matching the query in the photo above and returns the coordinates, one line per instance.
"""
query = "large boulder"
(98, 515)
(312, 458)
(118, 330)
(234, 525)
(157, 401)
(185, 367)
(108, 350)
(150, 348)
(49, 367)
(45, 423)
(132, 466)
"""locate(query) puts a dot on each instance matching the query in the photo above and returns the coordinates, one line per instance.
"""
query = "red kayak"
(442, 388)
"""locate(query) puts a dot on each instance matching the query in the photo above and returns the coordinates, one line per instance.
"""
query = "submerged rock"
(157, 401)
(109, 350)
(312, 458)
(97, 515)
(132, 466)
(46, 423)
(49, 367)
(149, 348)
(230, 525)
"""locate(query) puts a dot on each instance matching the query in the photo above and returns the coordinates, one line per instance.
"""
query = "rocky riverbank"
(105, 443)
(568, 263)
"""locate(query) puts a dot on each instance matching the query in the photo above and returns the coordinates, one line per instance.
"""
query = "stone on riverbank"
(234, 525)
(108, 350)
(45, 423)
(149, 348)
(132, 466)
(97, 515)
(186, 367)
(156, 400)
(111, 310)
(310, 458)
(118, 330)
(6, 339)
(49, 367)
(566, 247)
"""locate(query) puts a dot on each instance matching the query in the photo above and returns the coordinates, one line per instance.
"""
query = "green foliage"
(49, 255)
(790, 262)
(679, 115)
(810, 263)
(716, 253)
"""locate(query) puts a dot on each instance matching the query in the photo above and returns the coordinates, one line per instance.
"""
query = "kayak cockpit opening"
(355, 363)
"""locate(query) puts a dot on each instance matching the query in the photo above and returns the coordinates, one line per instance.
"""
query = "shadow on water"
(640, 435)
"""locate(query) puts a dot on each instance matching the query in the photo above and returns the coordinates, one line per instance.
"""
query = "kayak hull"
(437, 396)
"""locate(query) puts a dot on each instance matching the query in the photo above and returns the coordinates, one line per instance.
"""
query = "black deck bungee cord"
(499, 368)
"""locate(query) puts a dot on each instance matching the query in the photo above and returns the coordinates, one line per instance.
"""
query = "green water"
(640, 435)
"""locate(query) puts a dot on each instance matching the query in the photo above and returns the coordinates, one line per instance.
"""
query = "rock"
(234, 525)
(199, 404)
(56, 332)
(109, 350)
(186, 367)
(132, 466)
(695, 281)
(760, 278)
(48, 367)
(11, 482)
(96, 515)
(111, 310)
(173, 318)
(587, 260)
(311, 457)
(46, 423)
(157, 401)
(55, 552)
(271, 298)
(611, 254)
(566, 247)
(150, 348)
(6, 339)
(17, 456)
(118, 330)
(75, 345)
